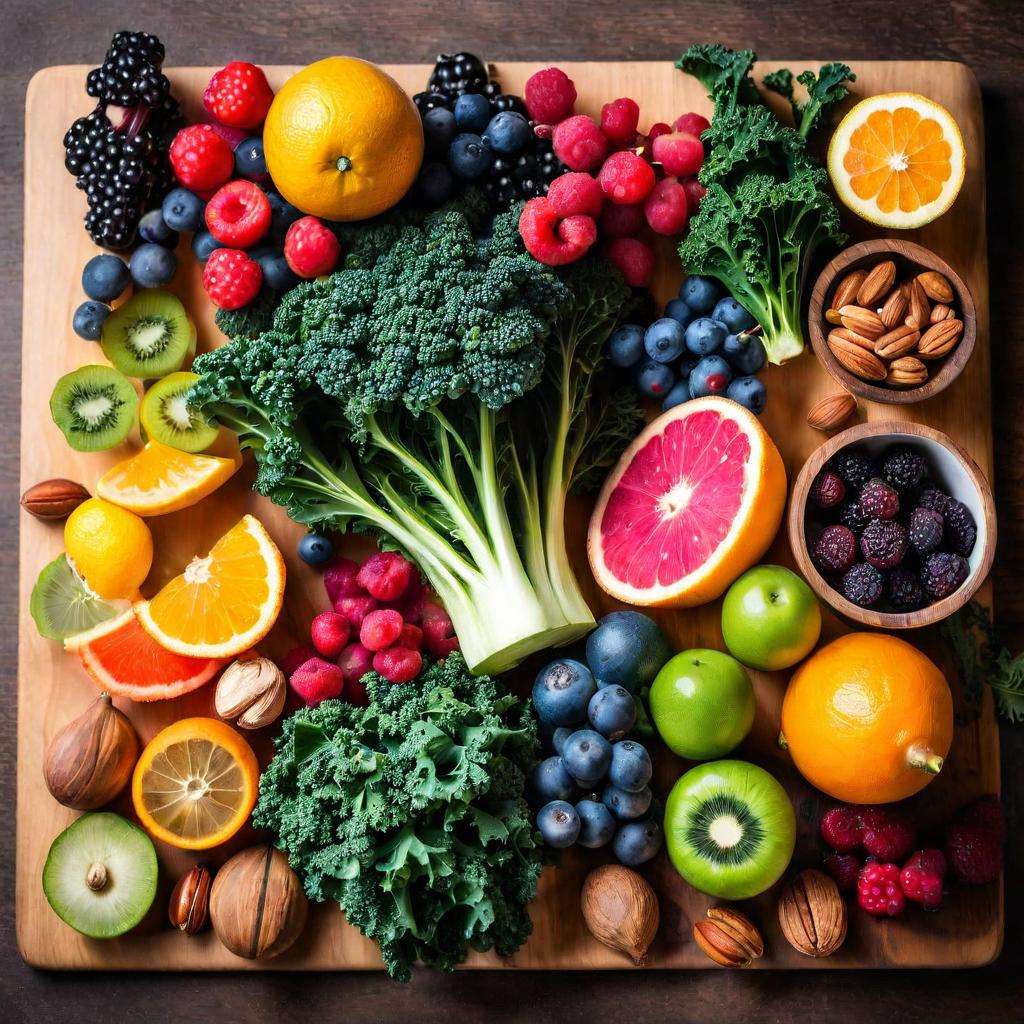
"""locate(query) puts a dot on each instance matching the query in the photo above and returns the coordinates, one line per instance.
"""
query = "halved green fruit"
(94, 406)
(167, 417)
(149, 336)
(63, 606)
(100, 875)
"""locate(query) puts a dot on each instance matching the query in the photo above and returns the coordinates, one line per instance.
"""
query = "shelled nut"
(189, 908)
(832, 411)
(812, 914)
(728, 937)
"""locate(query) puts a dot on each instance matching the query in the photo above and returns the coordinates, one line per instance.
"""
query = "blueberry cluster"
(885, 534)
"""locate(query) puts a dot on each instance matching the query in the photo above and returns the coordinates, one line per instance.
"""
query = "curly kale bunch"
(410, 813)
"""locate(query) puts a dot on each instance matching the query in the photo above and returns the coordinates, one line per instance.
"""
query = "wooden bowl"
(909, 257)
(958, 474)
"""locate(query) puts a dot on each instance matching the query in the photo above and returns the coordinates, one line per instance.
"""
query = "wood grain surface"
(985, 35)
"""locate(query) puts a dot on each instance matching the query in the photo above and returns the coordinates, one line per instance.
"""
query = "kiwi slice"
(63, 606)
(94, 406)
(149, 336)
(167, 417)
(100, 875)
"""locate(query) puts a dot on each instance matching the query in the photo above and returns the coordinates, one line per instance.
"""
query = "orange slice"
(224, 602)
(897, 160)
(195, 784)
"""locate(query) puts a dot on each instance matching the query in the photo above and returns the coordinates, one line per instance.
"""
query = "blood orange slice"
(694, 501)
(123, 659)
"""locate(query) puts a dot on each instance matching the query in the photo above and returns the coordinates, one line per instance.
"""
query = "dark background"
(989, 36)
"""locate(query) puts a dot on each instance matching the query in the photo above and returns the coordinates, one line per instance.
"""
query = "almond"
(935, 286)
(940, 339)
(842, 334)
(941, 312)
(906, 372)
(846, 292)
(832, 316)
(53, 500)
(919, 308)
(897, 342)
(859, 361)
(894, 309)
(864, 322)
(877, 284)
(832, 412)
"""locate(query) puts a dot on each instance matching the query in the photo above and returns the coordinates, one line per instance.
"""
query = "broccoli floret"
(250, 320)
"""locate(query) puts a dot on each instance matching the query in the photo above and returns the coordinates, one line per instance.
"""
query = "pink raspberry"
(201, 158)
(626, 178)
(931, 860)
(579, 144)
(975, 854)
(635, 260)
(576, 192)
(398, 664)
(840, 828)
(986, 812)
(622, 221)
(922, 887)
(438, 632)
(231, 278)
(380, 629)
(878, 890)
(295, 657)
(619, 120)
(695, 192)
(667, 209)
(310, 249)
(385, 575)
(891, 841)
(317, 680)
(693, 124)
(844, 868)
(411, 637)
(551, 241)
(340, 579)
(679, 153)
(330, 632)
(355, 608)
(549, 95)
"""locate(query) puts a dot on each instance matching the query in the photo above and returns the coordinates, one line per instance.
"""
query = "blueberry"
(561, 734)
(627, 649)
(315, 549)
(104, 277)
(705, 336)
(153, 228)
(700, 293)
(626, 345)
(249, 159)
(680, 393)
(276, 272)
(508, 132)
(562, 691)
(89, 319)
(559, 824)
(597, 824)
(435, 183)
(654, 380)
(680, 312)
(282, 216)
(625, 805)
(749, 392)
(711, 376)
(203, 244)
(745, 352)
(468, 157)
(550, 781)
(438, 130)
(183, 210)
(612, 711)
(472, 112)
(587, 755)
(631, 767)
(664, 340)
(152, 265)
(637, 842)
(733, 315)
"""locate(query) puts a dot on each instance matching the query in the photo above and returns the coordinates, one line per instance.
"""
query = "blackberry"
(879, 500)
(904, 468)
(457, 73)
(524, 175)
(925, 531)
(862, 585)
(828, 489)
(130, 73)
(836, 549)
(933, 498)
(961, 529)
(855, 468)
(884, 543)
(904, 592)
(942, 573)
(852, 515)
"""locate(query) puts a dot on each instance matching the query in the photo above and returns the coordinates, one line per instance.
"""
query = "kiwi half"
(63, 606)
(94, 406)
(167, 417)
(149, 336)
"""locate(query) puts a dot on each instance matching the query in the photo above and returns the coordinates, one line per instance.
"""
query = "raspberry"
(975, 854)
(340, 579)
(329, 632)
(878, 499)
(961, 529)
(622, 221)
(925, 531)
(667, 209)
(854, 468)
(317, 680)
(380, 629)
(841, 829)
(411, 637)
(985, 812)
(891, 841)
(295, 657)
(355, 608)
(931, 860)
(355, 661)
(231, 278)
(310, 249)
(398, 664)
(921, 886)
(238, 95)
(238, 215)
(828, 489)
(551, 241)
(576, 193)
(201, 159)
(844, 868)
(626, 178)
(884, 543)
(942, 573)
(619, 120)
(438, 633)
(862, 585)
(549, 95)
(579, 144)
(903, 468)
(410, 604)
(878, 890)
(904, 592)
(635, 260)
(695, 124)
(695, 192)
(385, 575)
(679, 153)
(836, 549)
(869, 816)
(853, 516)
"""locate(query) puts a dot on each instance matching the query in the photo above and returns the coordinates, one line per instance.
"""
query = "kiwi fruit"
(167, 417)
(63, 606)
(149, 336)
(94, 406)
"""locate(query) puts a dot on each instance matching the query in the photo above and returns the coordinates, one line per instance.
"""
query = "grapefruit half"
(123, 659)
(694, 501)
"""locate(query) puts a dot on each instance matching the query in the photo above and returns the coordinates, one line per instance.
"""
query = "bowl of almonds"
(891, 321)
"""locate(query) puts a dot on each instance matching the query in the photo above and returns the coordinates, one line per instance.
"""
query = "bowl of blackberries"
(893, 525)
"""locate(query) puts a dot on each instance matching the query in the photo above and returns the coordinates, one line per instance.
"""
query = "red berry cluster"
(620, 183)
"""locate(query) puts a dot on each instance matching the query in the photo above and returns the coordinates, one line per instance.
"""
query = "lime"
(62, 605)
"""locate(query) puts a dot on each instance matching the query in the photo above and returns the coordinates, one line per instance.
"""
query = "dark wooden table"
(986, 36)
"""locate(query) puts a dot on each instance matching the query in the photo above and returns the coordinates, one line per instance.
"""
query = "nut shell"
(729, 938)
(53, 500)
(251, 692)
(812, 914)
(621, 910)
(189, 907)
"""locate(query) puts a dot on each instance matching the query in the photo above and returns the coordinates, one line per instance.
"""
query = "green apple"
(770, 618)
(702, 703)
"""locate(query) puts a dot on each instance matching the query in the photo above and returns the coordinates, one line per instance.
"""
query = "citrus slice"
(62, 605)
(123, 659)
(160, 479)
(694, 501)
(897, 160)
(223, 603)
(195, 784)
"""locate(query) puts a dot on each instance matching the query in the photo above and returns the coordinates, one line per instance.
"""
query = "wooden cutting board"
(53, 688)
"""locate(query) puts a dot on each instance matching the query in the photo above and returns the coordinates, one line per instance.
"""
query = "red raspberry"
(975, 854)
(355, 608)
(238, 215)
(931, 860)
(878, 890)
(549, 95)
(891, 841)
(921, 886)
(411, 637)
(635, 260)
(869, 816)
(231, 278)
(693, 124)
(695, 192)
(551, 241)
(295, 657)
(438, 632)
(622, 221)
(340, 579)
(576, 192)
(679, 153)
(667, 209)
(330, 632)
(310, 249)
(201, 158)
(619, 120)
(986, 812)
(317, 680)
(579, 143)
(626, 178)
(398, 664)
(380, 629)
(844, 868)
(385, 575)
(355, 661)
(238, 95)
(840, 828)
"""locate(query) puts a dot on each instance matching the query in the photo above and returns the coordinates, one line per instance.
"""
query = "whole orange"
(342, 140)
(868, 719)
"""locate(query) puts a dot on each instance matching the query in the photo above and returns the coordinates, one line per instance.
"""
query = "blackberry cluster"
(130, 74)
